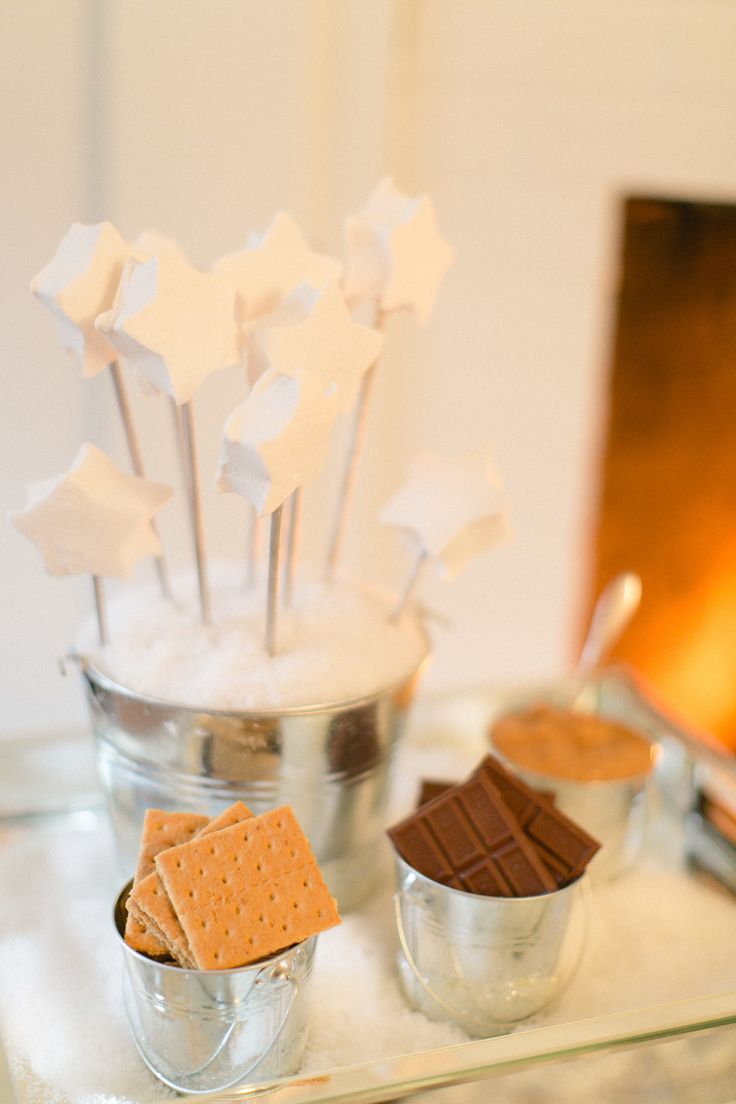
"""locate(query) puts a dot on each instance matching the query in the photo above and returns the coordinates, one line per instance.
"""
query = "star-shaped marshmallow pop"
(313, 332)
(80, 282)
(272, 265)
(452, 506)
(93, 518)
(174, 324)
(277, 440)
(395, 252)
(150, 243)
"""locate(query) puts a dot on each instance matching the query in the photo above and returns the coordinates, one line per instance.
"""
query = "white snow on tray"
(334, 642)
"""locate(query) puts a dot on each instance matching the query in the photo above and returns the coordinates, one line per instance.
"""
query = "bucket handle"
(279, 972)
(455, 1013)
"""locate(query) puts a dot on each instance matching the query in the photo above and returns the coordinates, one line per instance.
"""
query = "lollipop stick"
(100, 610)
(355, 446)
(180, 446)
(292, 547)
(255, 542)
(195, 508)
(410, 585)
(274, 557)
(136, 459)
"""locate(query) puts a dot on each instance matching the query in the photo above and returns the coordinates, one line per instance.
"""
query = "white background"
(526, 120)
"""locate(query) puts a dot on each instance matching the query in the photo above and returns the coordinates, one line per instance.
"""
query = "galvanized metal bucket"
(485, 962)
(331, 763)
(205, 1031)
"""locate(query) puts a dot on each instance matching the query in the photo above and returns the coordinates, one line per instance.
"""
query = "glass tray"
(48, 788)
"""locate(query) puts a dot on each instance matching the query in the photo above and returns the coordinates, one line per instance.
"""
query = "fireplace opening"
(667, 500)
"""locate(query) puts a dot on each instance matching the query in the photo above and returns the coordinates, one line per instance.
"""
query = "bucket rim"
(97, 678)
(403, 865)
(592, 785)
(308, 944)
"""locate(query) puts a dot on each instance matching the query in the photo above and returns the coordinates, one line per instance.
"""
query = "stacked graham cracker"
(214, 894)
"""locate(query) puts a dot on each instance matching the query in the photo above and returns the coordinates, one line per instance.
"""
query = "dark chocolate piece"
(564, 847)
(433, 787)
(469, 833)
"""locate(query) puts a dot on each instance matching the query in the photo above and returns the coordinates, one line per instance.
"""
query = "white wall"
(526, 121)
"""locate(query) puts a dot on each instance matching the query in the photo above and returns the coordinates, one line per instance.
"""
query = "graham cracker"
(247, 891)
(161, 829)
(151, 901)
(139, 934)
(177, 953)
(234, 814)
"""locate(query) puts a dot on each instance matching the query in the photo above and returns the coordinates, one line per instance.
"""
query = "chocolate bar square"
(468, 835)
(562, 845)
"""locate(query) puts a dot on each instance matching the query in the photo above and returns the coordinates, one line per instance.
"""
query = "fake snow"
(334, 642)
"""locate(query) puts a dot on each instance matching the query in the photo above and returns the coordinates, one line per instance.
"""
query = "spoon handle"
(616, 605)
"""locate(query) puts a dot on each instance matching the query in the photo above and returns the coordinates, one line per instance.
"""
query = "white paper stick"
(410, 585)
(293, 542)
(100, 609)
(274, 558)
(354, 451)
(195, 509)
(136, 458)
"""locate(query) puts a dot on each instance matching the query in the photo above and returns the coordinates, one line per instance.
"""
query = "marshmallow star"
(78, 283)
(151, 242)
(277, 440)
(271, 266)
(93, 518)
(174, 324)
(452, 506)
(395, 253)
(313, 332)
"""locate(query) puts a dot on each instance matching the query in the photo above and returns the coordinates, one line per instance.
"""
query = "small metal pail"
(204, 1031)
(330, 763)
(485, 962)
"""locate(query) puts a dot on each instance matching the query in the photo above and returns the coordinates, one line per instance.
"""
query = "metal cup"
(485, 962)
(329, 762)
(207, 1030)
(615, 812)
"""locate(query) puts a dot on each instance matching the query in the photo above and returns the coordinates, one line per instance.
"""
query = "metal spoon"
(616, 605)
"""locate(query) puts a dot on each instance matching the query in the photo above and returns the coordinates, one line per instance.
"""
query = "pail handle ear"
(277, 973)
(455, 1013)
(580, 941)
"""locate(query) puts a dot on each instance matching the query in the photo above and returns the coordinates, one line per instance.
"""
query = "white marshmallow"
(313, 332)
(395, 252)
(93, 518)
(151, 243)
(174, 324)
(272, 265)
(80, 282)
(277, 440)
(452, 506)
